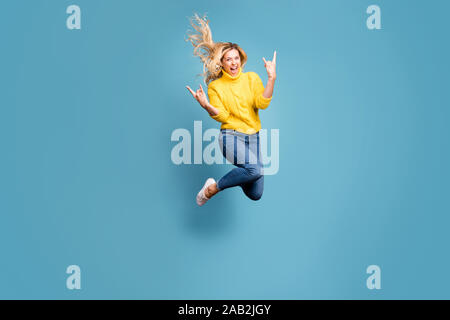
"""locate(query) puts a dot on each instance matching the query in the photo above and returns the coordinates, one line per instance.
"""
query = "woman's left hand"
(271, 66)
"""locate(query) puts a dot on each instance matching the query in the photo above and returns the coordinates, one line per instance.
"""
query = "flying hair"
(210, 52)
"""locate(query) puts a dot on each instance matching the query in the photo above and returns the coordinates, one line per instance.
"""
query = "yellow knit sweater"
(238, 100)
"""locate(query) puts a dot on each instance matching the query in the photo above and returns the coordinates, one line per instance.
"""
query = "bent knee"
(255, 196)
(254, 171)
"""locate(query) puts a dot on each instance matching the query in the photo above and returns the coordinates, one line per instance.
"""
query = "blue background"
(86, 175)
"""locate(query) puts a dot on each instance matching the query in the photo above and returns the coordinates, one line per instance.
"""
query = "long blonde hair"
(210, 52)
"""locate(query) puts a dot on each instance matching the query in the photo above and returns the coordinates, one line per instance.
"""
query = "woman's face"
(231, 62)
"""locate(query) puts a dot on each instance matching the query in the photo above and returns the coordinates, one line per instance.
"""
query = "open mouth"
(234, 69)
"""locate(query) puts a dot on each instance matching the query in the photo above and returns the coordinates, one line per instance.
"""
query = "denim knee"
(254, 170)
(255, 196)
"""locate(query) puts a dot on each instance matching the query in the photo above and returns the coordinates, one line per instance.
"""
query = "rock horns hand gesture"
(271, 66)
(199, 95)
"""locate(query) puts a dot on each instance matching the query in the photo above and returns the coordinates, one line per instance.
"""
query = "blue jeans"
(243, 151)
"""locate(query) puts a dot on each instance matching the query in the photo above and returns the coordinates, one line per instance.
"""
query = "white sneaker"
(201, 197)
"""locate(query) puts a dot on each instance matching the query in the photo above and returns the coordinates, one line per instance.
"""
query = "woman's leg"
(240, 175)
(243, 151)
(254, 190)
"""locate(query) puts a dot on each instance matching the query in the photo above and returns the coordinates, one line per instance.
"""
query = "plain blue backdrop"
(86, 176)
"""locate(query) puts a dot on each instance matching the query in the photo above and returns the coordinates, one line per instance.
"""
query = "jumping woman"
(235, 97)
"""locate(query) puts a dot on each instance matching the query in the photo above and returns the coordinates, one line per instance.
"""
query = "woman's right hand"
(199, 95)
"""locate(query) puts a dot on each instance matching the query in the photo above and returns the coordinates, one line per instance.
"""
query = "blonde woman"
(235, 98)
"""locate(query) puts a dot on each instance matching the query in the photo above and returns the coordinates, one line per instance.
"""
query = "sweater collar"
(227, 76)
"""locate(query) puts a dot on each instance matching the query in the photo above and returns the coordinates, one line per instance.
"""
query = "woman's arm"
(219, 112)
(272, 75)
(268, 91)
(200, 96)
(211, 110)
